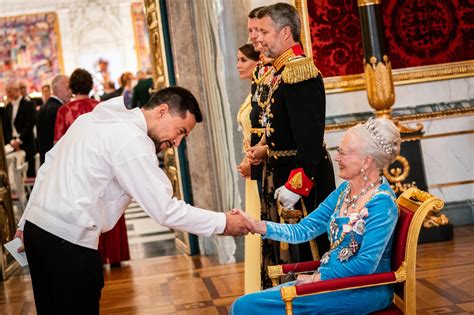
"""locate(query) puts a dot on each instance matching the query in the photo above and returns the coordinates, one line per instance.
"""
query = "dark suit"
(113, 94)
(24, 123)
(45, 126)
(141, 92)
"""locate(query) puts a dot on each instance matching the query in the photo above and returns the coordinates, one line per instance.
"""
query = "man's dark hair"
(249, 51)
(283, 14)
(179, 101)
(253, 14)
(80, 82)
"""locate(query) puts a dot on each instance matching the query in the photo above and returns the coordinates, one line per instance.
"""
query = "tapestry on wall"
(30, 50)
(419, 32)
(142, 44)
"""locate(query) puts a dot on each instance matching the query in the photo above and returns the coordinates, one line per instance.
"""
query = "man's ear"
(162, 109)
(287, 32)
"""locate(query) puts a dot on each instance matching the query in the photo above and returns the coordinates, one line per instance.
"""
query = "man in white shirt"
(107, 157)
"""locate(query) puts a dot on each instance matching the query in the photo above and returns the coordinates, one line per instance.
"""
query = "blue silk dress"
(370, 232)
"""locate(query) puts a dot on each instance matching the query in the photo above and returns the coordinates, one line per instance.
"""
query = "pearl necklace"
(352, 202)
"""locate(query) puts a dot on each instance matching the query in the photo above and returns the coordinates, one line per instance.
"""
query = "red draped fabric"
(419, 32)
(113, 245)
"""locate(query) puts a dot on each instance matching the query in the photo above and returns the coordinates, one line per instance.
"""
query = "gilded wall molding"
(158, 54)
(302, 7)
(404, 76)
(412, 118)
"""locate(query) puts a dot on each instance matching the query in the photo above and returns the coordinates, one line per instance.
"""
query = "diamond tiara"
(383, 144)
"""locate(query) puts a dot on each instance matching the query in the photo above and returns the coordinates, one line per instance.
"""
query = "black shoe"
(116, 265)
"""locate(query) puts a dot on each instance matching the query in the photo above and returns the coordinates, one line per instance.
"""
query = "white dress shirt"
(15, 106)
(89, 177)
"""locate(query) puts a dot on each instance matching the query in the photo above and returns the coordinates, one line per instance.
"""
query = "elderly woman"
(359, 217)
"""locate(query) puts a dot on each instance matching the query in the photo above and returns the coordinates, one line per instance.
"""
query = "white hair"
(369, 145)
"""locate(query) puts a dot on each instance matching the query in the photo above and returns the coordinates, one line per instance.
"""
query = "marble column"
(205, 37)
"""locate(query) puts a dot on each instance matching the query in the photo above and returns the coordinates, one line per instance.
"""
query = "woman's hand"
(244, 168)
(259, 227)
(303, 279)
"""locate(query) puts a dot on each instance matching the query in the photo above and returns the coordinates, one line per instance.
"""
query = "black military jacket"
(294, 120)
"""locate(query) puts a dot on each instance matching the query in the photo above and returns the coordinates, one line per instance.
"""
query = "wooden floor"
(198, 285)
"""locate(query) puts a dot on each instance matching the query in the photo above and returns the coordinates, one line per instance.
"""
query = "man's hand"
(257, 153)
(237, 224)
(259, 227)
(286, 197)
(19, 234)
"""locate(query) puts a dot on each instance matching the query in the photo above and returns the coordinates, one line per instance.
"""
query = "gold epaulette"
(298, 70)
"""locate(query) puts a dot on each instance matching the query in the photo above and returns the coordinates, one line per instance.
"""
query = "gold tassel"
(298, 70)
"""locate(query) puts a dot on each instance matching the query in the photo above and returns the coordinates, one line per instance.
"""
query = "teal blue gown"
(370, 233)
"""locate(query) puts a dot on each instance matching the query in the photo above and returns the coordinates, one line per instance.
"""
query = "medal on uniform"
(354, 246)
(344, 254)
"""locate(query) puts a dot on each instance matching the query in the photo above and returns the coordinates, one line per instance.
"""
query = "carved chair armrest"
(275, 272)
(347, 283)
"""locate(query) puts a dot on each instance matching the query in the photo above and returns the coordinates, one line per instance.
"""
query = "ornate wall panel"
(428, 40)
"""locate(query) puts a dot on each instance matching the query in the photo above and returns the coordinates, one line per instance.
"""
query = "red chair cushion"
(301, 266)
(341, 283)
(401, 232)
(392, 310)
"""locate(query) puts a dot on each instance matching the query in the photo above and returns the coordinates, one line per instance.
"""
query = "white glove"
(286, 197)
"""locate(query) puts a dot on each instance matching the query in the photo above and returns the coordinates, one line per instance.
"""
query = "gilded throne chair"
(413, 206)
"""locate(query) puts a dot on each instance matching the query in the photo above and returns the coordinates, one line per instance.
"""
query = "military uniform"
(292, 94)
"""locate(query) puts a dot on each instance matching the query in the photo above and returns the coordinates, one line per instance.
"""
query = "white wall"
(90, 29)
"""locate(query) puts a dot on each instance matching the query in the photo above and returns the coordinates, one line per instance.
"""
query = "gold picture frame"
(140, 32)
(403, 76)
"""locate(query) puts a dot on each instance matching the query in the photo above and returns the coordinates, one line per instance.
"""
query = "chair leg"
(287, 295)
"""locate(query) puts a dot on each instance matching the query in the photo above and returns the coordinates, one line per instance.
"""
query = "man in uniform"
(298, 173)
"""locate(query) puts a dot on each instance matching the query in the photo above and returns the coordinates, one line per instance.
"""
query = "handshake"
(239, 223)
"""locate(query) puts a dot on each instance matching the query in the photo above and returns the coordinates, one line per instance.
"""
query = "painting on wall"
(427, 40)
(142, 44)
(30, 50)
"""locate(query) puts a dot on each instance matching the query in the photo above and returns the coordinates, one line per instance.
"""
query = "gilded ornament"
(401, 273)
(296, 181)
(379, 84)
(396, 174)
(299, 69)
(363, 3)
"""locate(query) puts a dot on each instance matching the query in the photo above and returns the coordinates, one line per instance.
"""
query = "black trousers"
(67, 278)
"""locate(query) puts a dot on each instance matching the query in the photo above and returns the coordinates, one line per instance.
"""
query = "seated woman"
(359, 217)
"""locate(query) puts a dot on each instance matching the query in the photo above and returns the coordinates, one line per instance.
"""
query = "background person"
(247, 59)
(47, 114)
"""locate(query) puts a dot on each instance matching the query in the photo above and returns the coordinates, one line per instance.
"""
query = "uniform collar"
(291, 52)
